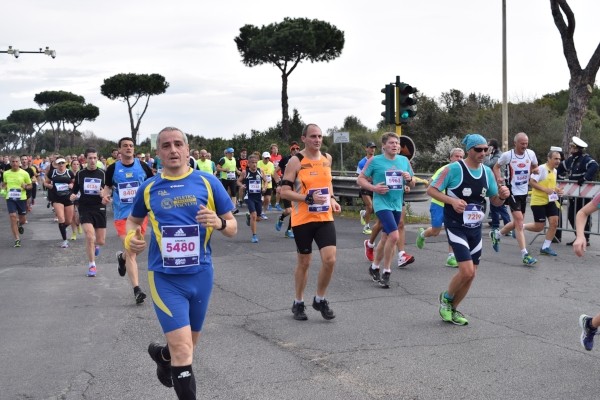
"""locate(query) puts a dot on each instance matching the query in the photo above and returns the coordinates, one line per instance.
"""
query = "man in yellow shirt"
(16, 182)
(544, 201)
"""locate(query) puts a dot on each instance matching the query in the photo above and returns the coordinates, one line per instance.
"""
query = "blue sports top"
(178, 244)
(126, 181)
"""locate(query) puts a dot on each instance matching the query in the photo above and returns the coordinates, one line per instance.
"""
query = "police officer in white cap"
(580, 167)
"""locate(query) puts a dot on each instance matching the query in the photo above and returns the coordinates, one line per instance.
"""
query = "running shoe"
(587, 334)
(264, 216)
(405, 260)
(97, 251)
(278, 207)
(248, 218)
(74, 236)
(235, 211)
(374, 274)
(420, 238)
(384, 282)
(512, 234)
(278, 225)
(254, 239)
(495, 240)
(139, 295)
(528, 260)
(17, 243)
(65, 244)
(163, 368)
(323, 307)
(269, 208)
(369, 251)
(548, 252)
(451, 262)
(362, 217)
(289, 234)
(298, 310)
(20, 228)
(79, 229)
(445, 308)
(458, 318)
(367, 230)
(121, 267)
(91, 271)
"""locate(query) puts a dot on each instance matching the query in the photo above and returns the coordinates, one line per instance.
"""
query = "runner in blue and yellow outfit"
(467, 183)
(185, 208)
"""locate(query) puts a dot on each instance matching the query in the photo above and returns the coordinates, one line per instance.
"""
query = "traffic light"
(406, 103)
(389, 103)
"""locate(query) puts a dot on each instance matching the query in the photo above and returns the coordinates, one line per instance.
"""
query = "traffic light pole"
(397, 108)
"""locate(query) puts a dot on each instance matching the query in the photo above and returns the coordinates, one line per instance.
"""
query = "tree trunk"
(285, 117)
(582, 80)
(579, 96)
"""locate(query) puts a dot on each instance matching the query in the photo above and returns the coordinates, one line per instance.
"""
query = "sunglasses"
(295, 148)
(480, 149)
(61, 163)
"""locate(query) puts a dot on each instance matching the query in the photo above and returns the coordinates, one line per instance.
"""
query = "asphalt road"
(66, 336)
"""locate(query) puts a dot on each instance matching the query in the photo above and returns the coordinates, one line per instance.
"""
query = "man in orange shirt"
(307, 183)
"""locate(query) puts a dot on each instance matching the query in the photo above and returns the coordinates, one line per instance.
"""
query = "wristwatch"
(309, 199)
(223, 224)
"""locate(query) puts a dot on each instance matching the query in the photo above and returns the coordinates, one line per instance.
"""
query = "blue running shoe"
(548, 251)
(289, 234)
(278, 207)
(495, 240)
(278, 225)
(528, 260)
(254, 239)
(97, 251)
(587, 334)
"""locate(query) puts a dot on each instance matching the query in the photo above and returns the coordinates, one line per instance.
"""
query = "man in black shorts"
(88, 185)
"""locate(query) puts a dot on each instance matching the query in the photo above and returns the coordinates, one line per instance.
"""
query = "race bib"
(254, 186)
(62, 189)
(180, 246)
(473, 215)
(318, 208)
(521, 177)
(14, 194)
(394, 180)
(92, 186)
(553, 196)
(127, 191)
(231, 175)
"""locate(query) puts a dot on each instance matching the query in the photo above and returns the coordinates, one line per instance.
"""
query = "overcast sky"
(453, 45)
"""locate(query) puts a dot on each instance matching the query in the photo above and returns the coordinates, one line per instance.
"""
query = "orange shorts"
(120, 227)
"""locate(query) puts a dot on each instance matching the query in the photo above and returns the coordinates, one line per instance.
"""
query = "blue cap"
(229, 150)
(472, 140)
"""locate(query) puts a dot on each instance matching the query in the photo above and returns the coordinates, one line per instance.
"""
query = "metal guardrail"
(345, 186)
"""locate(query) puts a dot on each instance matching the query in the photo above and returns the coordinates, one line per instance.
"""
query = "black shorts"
(517, 203)
(364, 192)
(540, 213)
(286, 203)
(94, 216)
(268, 192)
(230, 184)
(65, 201)
(323, 233)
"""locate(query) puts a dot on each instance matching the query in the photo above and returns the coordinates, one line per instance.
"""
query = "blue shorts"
(181, 300)
(437, 215)
(254, 204)
(389, 220)
(466, 243)
(16, 206)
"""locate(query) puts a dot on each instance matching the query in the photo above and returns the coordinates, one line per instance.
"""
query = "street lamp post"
(16, 52)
